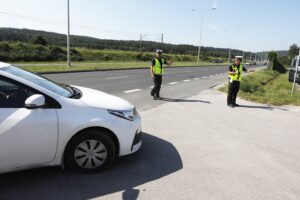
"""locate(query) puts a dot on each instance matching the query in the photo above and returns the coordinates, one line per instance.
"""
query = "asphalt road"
(159, 158)
(135, 85)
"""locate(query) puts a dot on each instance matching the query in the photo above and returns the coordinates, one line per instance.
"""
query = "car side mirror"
(35, 101)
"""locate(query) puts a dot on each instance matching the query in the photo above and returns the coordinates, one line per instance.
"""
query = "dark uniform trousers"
(233, 90)
(157, 79)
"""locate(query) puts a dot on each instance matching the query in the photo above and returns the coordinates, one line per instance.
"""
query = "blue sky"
(253, 25)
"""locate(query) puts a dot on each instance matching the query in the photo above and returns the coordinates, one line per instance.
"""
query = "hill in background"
(27, 35)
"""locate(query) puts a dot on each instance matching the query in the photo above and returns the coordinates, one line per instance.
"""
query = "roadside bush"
(274, 64)
(254, 82)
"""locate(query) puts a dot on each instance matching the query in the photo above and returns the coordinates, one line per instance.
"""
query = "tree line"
(48, 38)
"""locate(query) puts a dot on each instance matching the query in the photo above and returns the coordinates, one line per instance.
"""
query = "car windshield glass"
(39, 80)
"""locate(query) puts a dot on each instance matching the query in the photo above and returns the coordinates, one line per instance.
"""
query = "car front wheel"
(90, 152)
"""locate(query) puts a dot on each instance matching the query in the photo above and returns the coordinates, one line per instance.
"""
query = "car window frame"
(51, 103)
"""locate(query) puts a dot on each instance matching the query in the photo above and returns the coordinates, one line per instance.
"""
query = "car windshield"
(59, 89)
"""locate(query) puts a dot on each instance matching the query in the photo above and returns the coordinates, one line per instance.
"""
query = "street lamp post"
(68, 37)
(201, 28)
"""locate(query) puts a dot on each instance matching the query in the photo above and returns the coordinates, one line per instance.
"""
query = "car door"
(27, 136)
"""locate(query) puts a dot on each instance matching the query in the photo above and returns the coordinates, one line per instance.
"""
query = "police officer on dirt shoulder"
(235, 76)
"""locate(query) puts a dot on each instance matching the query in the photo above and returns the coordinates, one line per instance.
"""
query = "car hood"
(97, 99)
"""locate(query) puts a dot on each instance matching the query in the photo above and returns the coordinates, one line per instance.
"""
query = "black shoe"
(236, 105)
(231, 105)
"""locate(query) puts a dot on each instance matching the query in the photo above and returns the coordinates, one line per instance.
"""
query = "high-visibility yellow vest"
(158, 69)
(238, 73)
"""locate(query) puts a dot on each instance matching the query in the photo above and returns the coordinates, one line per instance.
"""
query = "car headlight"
(130, 115)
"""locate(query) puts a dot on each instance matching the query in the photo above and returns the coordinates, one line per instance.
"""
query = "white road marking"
(204, 77)
(187, 71)
(172, 83)
(116, 77)
(130, 91)
(196, 78)
(152, 86)
(186, 80)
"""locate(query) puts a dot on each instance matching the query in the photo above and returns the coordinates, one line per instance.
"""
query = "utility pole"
(141, 40)
(68, 37)
(229, 56)
(162, 40)
(243, 56)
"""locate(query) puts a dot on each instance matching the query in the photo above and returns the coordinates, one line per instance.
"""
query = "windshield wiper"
(74, 92)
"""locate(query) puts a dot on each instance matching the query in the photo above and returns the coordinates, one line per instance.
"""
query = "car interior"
(13, 95)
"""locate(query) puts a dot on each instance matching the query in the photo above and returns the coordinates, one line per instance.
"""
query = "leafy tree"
(39, 40)
(294, 50)
(274, 64)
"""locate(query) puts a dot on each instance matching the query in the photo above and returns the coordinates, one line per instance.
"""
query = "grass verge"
(268, 87)
(83, 66)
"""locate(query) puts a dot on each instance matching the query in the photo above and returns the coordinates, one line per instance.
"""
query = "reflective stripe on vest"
(238, 73)
(158, 69)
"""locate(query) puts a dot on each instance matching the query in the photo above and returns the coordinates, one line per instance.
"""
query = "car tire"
(90, 151)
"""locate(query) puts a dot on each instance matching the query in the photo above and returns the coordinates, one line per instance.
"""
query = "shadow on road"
(184, 100)
(257, 107)
(156, 159)
(263, 107)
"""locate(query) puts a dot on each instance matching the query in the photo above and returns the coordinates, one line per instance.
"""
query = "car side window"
(13, 94)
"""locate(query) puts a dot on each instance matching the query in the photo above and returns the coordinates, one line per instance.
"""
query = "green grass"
(268, 87)
(92, 65)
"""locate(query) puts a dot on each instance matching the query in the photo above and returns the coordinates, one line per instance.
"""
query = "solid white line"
(130, 91)
(204, 77)
(186, 80)
(172, 83)
(116, 77)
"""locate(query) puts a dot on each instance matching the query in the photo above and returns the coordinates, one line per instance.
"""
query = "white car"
(43, 123)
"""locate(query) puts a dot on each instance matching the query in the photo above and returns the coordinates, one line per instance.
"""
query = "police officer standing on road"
(235, 76)
(157, 70)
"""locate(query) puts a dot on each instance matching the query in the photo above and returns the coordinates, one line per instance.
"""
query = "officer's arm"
(250, 70)
(151, 70)
(169, 63)
(246, 70)
(230, 71)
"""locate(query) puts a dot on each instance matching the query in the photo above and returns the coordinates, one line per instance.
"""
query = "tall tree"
(294, 50)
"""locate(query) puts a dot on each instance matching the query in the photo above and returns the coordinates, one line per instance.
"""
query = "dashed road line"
(204, 77)
(172, 83)
(131, 91)
(196, 78)
(186, 80)
(120, 77)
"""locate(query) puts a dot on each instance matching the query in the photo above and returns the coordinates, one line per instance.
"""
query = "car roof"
(2, 64)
